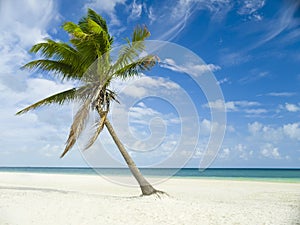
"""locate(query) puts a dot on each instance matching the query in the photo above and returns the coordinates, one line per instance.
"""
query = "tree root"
(158, 193)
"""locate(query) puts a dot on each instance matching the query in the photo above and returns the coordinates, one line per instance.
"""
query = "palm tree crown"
(87, 60)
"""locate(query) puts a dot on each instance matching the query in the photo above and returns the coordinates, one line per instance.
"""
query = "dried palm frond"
(100, 126)
(77, 126)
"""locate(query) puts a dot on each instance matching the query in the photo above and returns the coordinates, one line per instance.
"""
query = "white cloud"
(26, 24)
(135, 91)
(142, 114)
(231, 105)
(207, 127)
(224, 153)
(256, 111)
(269, 151)
(140, 86)
(242, 151)
(236, 152)
(220, 105)
(223, 81)
(292, 107)
(274, 134)
(255, 127)
(189, 68)
(265, 132)
(140, 111)
(292, 130)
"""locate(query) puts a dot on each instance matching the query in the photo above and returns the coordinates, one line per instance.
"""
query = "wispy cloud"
(284, 21)
(251, 8)
(281, 94)
(150, 13)
(136, 10)
(278, 30)
(184, 10)
(255, 75)
(291, 37)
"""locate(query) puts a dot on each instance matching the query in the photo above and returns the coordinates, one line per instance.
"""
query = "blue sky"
(251, 46)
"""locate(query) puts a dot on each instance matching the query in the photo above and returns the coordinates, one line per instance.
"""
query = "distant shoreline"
(269, 175)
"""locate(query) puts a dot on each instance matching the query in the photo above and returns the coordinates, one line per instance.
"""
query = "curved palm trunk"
(146, 187)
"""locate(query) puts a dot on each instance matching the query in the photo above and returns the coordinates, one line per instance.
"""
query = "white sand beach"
(28, 198)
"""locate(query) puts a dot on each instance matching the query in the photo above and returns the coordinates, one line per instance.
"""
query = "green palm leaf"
(134, 68)
(130, 52)
(140, 34)
(59, 98)
(65, 70)
(57, 50)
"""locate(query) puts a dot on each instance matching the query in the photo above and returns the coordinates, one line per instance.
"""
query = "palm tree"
(86, 59)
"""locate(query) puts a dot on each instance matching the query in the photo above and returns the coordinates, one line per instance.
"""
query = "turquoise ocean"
(274, 175)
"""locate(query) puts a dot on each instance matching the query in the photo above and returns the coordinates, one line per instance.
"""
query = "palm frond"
(134, 68)
(77, 126)
(69, 27)
(66, 70)
(94, 27)
(112, 96)
(140, 34)
(98, 19)
(130, 52)
(100, 126)
(57, 50)
(75, 30)
(92, 47)
(59, 98)
(90, 36)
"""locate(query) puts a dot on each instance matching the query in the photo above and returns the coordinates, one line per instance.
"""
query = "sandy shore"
(86, 199)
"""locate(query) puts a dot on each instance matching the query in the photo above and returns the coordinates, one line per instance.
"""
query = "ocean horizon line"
(210, 168)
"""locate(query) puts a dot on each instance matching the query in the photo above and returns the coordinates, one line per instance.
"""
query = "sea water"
(277, 175)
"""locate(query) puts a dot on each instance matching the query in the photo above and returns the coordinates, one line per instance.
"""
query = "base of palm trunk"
(149, 190)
